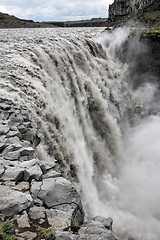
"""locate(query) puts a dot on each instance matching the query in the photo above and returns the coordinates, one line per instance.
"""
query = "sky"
(56, 10)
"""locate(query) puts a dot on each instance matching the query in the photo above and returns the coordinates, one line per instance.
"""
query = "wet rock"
(107, 222)
(13, 202)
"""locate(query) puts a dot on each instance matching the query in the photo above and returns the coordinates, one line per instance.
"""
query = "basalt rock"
(122, 11)
(32, 191)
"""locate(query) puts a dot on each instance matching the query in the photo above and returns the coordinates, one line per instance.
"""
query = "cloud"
(43, 10)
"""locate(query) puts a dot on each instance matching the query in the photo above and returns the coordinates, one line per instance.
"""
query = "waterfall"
(103, 132)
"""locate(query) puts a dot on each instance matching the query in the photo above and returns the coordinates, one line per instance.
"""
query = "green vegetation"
(153, 19)
(74, 225)
(153, 32)
(6, 231)
(46, 233)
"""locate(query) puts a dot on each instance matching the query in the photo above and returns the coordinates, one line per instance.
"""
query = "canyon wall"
(121, 8)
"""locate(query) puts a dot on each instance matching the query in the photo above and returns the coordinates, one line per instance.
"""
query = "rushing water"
(104, 134)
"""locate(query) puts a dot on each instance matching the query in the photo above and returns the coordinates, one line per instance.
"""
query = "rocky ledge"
(36, 201)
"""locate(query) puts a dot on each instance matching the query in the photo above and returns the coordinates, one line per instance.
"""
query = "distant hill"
(8, 21)
(94, 22)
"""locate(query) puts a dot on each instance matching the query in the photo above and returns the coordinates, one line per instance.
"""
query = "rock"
(4, 129)
(35, 188)
(29, 151)
(27, 235)
(2, 146)
(137, 9)
(23, 221)
(22, 186)
(107, 222)
(33, 169)
(29, 164)
(77, 217)
(66, 236)
(49, 164)
(43, 169)
(37, 213)
(56, 192)
(52, 174)
(13, 134)
(23, 175)
(2, 170)
(95, 230)
(12, 156)
(13, 202)
(14, 141)
(13, 174)
(15, 155)
(57, 218)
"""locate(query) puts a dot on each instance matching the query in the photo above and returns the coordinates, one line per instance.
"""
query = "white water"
(80, 95)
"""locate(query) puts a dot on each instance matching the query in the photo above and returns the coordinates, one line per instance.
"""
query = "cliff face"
(121, 8)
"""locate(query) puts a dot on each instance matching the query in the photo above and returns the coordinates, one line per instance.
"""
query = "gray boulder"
(66, 236)
(59, 219)
(96, 230)
(13, 202)
(56, 192)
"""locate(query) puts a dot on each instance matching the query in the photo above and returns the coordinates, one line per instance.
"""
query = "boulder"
(95, 230)
(107, 222)
(37, 213)
(12, 156)
(55, 192)
(66, 236)
(22, 186)
(23, 221)
(13, 202)
(27, 235)
(59, 219)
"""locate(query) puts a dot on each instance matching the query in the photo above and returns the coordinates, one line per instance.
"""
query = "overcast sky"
(43, 10)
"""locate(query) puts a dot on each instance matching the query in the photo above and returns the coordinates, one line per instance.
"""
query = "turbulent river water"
(103, 131)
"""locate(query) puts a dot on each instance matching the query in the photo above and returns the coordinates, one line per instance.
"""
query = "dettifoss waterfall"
(95, 117)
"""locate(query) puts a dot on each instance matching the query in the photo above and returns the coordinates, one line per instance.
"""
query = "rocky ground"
(36, 201)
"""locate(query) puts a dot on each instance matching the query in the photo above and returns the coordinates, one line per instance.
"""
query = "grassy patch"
(7, 231)
(46, 233)
(74, 225)
(153, 19)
